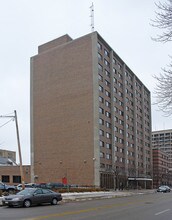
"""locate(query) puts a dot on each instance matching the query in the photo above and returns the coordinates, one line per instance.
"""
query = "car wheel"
(27, 203)
(54, 201)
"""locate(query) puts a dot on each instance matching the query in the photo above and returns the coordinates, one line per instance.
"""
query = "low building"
(8, 154)
(6, 162)
(11, 174)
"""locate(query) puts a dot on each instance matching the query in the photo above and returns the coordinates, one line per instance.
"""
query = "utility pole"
(19, 148)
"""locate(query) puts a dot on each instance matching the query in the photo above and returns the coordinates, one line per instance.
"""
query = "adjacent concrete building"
(163, 140)
(90, 116)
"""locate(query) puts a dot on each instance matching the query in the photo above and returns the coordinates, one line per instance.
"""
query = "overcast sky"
(25, 24)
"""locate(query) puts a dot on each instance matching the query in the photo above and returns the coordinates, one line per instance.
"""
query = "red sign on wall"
(64, 180)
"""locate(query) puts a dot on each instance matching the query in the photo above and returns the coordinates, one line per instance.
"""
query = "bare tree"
(163, 21)
(163, 90)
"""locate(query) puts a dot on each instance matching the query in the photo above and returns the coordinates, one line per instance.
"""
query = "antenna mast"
(92, 17)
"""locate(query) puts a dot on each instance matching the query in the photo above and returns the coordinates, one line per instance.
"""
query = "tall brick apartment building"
(90, 116)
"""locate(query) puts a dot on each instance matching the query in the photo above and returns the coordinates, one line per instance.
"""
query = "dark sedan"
(32, 196)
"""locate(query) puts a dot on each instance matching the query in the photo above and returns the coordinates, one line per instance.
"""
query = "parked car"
(41, 185)
(7, 188)
(164, 189)
(55, 185)
(27, 185)
(32, 196)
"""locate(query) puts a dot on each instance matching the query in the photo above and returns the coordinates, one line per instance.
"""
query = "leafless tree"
(163, 90)
(163, 21)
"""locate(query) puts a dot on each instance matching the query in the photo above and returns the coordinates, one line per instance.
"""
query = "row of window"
(107, 124)
(107, 156)
(102, 144)
(107, 114)
(6, 179)
(101, 99)
(107, 166)
(101, 133)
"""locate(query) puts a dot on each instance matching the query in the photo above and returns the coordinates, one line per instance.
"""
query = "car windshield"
(25, 192)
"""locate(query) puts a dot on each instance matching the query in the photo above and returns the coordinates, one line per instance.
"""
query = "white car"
(27, 185)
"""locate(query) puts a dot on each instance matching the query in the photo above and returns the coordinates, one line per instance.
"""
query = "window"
(107, 93)
(101, 143)
(121, 113)
(100, 78)
(115, 109)
(101, 121)
(108, 114)
(101, 99)
(119, 66)
(114, 61)
(121, 131)
(108, 146)
(108, 125)
(100, 88)
(101, 132)
(108, 156)
(106, 52)
(99, 46)
(16, 179)
(106, 63)
(121, 122)
(121, 141)
(120, 94)
(100, 56)
(5, 179)
(107, 83)
(107, 104)
(100, 67)
(115, 90)
(108, 135)
(115, 119)
(114, 71)
(120, 84)
(101, 110)
(115, 80)
(120, 103)
(115, 99)
(107, 73)
(102, 155)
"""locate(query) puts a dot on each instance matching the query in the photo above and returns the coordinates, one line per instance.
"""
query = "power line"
(6, 123)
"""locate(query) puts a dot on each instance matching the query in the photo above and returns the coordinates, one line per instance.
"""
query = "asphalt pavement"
(69, 197)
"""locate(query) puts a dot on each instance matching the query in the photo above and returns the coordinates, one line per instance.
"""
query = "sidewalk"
(69, 197)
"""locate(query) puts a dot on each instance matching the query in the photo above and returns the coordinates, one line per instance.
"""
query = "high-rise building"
(90, 116)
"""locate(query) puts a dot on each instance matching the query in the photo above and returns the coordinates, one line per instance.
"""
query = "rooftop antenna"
(92, 17)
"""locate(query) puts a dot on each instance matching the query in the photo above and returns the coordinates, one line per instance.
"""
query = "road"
(155, 206)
